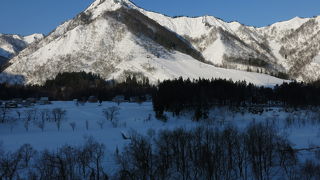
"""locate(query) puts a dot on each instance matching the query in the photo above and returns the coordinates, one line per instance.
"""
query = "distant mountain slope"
(10, 45)
(99, 40)
(290, 47)
(114, 38)
(229, 45)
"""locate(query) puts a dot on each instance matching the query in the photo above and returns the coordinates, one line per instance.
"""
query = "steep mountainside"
(289, 47)
(11, 45)
(230, 45)
(296, 42)
(113, 39)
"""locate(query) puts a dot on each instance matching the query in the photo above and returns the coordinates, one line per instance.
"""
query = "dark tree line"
(77, 85)
(199, 95)
(259, 152)
(171, 95)
(67, 163)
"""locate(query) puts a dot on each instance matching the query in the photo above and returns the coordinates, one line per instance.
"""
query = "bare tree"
(48, 116)
(27, 153)
(101, 123)
(4, 111)
(35, 114)
(12, 123)
(18, 114)
(9, 165)
(148, 118)
(28, 118)
(73, 125)
(87, 125)
(96, 151)
(111, 114)
(137, 159)
(84, 155)
(58, 116)
(40, 123)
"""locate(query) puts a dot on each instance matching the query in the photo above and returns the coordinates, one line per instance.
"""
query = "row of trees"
(77, 85)
(40, 117)
(259, 152)
(32, 116)
(199, 95)
(68, 163)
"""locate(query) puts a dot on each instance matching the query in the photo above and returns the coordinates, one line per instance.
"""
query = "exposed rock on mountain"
(114, 38)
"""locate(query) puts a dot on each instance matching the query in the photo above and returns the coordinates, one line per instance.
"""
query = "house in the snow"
(43, 101)
(92, 99)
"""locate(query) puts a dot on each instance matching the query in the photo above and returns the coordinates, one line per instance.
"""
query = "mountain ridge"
(113, 37)
(258, 38)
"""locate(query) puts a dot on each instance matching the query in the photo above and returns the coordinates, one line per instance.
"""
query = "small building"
(92, 99)
(43, 101)
(11, 104)
(17, 100)
(31, 100)
(135, 99)
(119, 99)
(148, 98)
(26, 103)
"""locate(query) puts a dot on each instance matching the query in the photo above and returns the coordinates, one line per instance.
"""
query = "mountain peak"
(100, 6)
(32, 38)
(116, 38)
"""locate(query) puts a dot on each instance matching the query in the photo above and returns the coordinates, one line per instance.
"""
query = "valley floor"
(139, 118)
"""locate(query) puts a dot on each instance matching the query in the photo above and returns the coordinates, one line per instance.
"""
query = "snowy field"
(139, 118)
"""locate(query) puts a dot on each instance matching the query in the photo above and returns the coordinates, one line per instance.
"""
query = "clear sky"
(42, 16)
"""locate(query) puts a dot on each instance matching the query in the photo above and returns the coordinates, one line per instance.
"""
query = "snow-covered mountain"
(11, 45)
(288, 48)
(114, 38)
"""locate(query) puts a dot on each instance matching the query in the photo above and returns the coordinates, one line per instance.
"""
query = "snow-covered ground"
(139, 118)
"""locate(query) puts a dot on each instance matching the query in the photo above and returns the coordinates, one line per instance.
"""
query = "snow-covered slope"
(288, 47)
(296, 43)
(113, 39)
(230, 45)
(33, 38)
(12, 44)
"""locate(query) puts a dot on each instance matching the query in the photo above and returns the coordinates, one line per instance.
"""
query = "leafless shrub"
(101, 123)
(111, 114)
(27, 153)
(58, 116)
(29, 116)
(44, 117)
(4, 111)
(73, 125)
(87, 125)
(12, 123)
